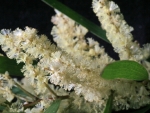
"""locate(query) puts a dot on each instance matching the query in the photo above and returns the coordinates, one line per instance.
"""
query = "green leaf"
(93, 28)
(21, 91)
(17, 91)
(125, 69)
(2, 107)
(108, 108)
(11, 66)
(53, 107)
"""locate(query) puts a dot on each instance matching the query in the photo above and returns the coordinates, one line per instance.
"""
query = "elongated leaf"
(11, 66)
(125, 69)
(53, 107)
(17, 91)
(21, 91)
(93, 28)
(108, 108)
(2, 107)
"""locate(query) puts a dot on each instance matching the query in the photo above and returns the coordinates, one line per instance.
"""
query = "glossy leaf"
(53, 107)
(93, 28)
(11, 66)
(125, 69)
(108, 108)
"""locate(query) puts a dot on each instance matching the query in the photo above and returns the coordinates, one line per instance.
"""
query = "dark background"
(36, 14)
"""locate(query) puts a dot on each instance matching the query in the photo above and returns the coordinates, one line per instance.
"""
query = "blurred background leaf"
(108, 108)
(53, 108)
(11, 66)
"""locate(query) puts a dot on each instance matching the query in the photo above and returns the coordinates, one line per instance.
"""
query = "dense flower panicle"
(80, 74)
(22, 45)
(74, 65)
(134, 52)
(117, 30)
(25, 43)
(71, 39)
(146, 64)
(146, 51)
(6, 85)
(73, 35)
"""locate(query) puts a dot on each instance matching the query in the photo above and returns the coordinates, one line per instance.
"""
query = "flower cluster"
(118, 31)
(71, 70)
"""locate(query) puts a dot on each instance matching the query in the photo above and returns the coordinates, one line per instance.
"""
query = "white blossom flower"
(73, 68)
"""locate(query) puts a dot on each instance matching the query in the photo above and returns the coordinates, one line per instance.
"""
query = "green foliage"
(93, 28)
(108, 108)
(125, 70)
(17, 91)
(53, 107)
(2, 107)
(11, 66)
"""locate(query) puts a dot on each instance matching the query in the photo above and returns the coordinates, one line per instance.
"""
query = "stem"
(25, 91)
(32, 104)
(50, 90)
(60, 97)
